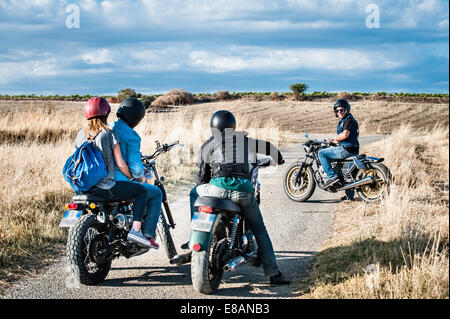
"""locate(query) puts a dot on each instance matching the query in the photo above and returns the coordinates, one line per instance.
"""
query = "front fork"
(165, 202)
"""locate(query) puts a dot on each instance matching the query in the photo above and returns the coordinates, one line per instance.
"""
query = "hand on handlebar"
(142, 179)
(333, 142)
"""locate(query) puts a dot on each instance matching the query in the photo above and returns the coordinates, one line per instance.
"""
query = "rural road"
(297, 230)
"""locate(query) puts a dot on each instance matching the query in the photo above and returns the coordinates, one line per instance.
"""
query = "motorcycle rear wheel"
(303, 191)
(81, 249)
(207, 265)
(374, 192)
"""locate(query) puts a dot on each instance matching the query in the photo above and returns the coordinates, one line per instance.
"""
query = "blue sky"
(210, 45)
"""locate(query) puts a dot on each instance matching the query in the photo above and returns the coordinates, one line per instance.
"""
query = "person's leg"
(126, 191)
(193, 195)
(252, 213)
(325, 157)
(151, 217)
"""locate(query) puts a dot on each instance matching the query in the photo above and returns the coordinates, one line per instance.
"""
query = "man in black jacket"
(224, 171)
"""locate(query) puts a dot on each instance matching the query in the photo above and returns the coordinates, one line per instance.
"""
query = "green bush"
(126, 93)
(298, 89)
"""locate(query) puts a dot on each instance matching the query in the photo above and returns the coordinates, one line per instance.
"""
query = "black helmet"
(222, 119)
(131, 110)
(342, 103)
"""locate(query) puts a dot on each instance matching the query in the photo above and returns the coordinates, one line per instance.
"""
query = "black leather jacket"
(226, 154)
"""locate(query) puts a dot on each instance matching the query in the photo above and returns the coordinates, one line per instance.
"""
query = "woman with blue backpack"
(96, 111)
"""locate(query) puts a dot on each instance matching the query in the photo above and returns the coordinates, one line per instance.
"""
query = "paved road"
(296, 229)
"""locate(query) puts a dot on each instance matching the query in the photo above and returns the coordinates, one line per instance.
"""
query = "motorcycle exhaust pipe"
(364, 181)
(233, 263)
(238, 261)
(181, 259)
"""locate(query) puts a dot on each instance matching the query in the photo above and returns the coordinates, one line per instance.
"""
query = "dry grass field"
(36, 138)
(397, 248)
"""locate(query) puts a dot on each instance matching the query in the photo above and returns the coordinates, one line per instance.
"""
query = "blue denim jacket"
(130, 146)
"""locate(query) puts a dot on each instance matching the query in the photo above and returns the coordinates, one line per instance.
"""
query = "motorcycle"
(367, 175)
(98, 228)
(220, 239)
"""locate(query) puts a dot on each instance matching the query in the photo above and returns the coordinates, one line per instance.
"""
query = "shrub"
(174, 97)
(344, 95)
(126, 93)
(222, 96)
(147, 100)
(274, 96)
(298, 89)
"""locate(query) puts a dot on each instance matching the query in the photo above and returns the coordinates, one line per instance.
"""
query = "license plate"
(202, 221)
(70, 218)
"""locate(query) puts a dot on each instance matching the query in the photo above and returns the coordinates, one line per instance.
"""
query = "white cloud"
(263, 59)
(100, 56)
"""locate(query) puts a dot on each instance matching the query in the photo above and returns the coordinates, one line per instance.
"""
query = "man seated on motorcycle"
(346, 142)
(130, 112)
(224, 172)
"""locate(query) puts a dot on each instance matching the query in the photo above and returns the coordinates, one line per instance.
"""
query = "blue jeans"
(125, 191)
(250, 210)
(151, 217)
(334, 153)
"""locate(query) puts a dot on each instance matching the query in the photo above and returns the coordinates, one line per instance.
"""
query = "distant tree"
(298, 89)
(126, 93)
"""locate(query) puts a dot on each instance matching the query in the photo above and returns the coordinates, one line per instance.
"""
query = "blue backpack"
(86, 167)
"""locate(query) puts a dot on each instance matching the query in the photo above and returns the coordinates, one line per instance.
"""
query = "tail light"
(71, 206)
(196, 247)
(205, 209)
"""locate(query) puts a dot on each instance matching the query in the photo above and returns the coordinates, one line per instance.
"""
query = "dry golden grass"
(36, 138)
(35, 141)
(404, 237)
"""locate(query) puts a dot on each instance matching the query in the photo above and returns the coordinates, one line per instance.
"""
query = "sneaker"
(152, 241)
(138, 238)
(279, 280)
(331, 181)
(343, 198)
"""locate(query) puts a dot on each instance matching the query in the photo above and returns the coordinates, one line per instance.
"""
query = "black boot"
(185, 246)
(331, 181)
(279, 280)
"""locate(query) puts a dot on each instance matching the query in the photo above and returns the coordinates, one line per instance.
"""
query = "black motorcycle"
(98, 229)
(367, 175)
(221, 240)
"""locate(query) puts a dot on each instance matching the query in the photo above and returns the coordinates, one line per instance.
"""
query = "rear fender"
(372, 159)
(204, 238)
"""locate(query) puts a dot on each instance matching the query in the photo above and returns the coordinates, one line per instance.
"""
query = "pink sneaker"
(153, 243)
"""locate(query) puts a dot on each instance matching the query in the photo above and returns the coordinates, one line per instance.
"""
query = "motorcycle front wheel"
(302, 190)
(375, 191)
(85, 243)
(166, 238)
(207, 265)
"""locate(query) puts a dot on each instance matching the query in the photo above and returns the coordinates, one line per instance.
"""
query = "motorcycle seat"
(84, 197)
(360, 156)
(214, 202)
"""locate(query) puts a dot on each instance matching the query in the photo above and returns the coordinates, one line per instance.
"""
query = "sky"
(99, 47)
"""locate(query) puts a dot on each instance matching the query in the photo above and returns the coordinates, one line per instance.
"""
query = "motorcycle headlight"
(306, 148)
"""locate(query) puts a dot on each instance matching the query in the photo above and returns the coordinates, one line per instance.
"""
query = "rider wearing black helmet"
(224, 172)
(130, 113)
(346, 142)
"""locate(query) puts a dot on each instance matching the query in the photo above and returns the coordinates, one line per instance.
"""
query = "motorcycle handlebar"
(161, 149)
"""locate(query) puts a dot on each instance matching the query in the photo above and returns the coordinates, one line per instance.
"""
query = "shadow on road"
(246, 281)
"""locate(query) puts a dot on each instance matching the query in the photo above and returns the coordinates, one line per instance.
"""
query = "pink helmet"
(96, 106)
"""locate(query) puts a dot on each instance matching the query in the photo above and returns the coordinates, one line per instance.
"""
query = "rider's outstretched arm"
(266, 148)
